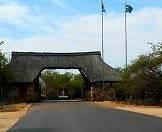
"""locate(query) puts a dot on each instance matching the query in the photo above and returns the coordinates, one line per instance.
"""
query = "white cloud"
(58, 2)
(12, 11)
(83, 33)
(23, 18)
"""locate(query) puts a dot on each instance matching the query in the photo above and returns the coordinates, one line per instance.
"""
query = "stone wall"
(3, 91)
(33, 93)
(102, 92)
(17, 92)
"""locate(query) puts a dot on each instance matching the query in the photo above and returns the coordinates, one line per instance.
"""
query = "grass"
(6, 107)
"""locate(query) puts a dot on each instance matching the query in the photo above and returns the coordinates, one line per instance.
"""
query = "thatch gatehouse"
(26, 67)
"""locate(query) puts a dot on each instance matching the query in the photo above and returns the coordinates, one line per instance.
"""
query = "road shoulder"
(148, 110)
(8, 119)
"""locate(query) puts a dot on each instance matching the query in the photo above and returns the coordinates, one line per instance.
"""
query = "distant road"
(84, 117)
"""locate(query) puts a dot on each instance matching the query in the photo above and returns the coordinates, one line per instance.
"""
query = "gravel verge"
(148, 110)
(8, 119)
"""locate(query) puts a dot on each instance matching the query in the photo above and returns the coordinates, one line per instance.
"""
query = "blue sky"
(74, 25)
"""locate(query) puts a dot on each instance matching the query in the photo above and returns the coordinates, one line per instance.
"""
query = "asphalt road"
(84, 117)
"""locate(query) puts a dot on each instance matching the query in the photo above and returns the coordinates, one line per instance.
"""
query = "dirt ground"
(148, 110)
(7, 119)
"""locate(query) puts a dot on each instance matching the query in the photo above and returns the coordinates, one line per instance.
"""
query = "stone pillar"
(92, 94)
(33, 92)
(1, 91)
(87, 92)
(30, 92)
(100, 94)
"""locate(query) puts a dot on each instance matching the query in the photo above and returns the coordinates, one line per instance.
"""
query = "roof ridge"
(54, 54)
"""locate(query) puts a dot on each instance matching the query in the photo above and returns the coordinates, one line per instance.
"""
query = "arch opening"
(61, 84)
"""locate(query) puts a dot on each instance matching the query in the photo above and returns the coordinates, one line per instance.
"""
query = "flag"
(103, 8)
(128, 8)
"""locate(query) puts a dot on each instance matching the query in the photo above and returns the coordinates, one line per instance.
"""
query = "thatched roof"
(27, 65)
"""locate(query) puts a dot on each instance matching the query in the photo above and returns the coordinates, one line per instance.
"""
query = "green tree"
(142, 78)
(75, 88)
(5, 72)
(55, 83)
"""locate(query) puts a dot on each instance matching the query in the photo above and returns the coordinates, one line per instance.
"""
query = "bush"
(142, 78)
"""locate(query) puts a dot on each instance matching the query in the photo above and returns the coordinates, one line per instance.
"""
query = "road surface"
(84, 117)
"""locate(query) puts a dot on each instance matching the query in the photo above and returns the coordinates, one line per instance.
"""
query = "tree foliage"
(55, 83)
(5, 72)
(143, 77)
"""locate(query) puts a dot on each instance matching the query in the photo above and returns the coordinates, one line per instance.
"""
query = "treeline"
(56, 84)
(141, 82)
(5, 73)
(4, 70)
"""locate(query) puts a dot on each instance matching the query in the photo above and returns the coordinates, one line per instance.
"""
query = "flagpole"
(102, 28)
(102, 38)
(126, 54)
(102, 35)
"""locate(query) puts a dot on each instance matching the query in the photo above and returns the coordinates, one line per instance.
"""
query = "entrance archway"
(26, 67)
(61, 84)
